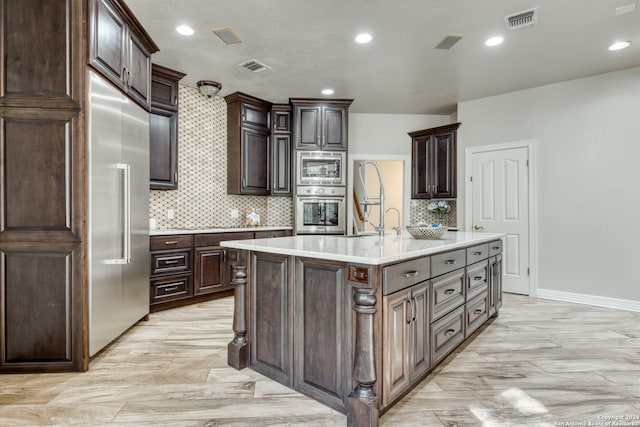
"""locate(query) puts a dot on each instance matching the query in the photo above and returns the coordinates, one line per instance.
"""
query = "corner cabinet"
(119, 49)
(320, 124)
(248, 145)
(433, 163)
(281, 150)
(163, 128)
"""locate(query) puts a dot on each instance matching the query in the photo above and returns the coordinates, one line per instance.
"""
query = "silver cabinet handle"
(478, 311)
(449, 332)
(414, 309)
(409, 274)
(173, 288)
(450, 261)
(171, 262)
(477, 278)
(495, 248)
(409, 311)
(171, 242)
(477, 253)
(449, 291)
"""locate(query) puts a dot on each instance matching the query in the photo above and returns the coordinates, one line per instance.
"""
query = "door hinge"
(528, 272)
(471, 178)
(527, 162)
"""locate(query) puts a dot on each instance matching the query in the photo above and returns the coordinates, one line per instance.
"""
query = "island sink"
(357, 323)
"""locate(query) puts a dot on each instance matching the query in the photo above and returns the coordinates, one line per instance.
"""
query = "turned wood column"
(362, 403)
(238, 348)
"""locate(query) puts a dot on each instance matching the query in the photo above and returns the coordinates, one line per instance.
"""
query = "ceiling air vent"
(448, 41)
(255, 66)
(522, 19)
(227, 35)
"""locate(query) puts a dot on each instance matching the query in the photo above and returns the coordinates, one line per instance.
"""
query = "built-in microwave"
(320, 210)
(321, 168)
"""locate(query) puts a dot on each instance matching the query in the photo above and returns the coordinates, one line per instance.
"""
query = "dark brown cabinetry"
(163, 128)
(119, 49)
(44, 308)
(171, 268)
(320, 124)
(433, 163)
(248, 145)
(281, 150)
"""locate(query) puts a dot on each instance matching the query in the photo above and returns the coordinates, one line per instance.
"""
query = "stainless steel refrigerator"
(118, 213)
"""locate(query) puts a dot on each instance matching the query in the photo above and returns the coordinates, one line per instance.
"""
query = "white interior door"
(500, 203)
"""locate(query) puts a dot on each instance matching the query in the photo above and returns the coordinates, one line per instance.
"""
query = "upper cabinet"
(248, 145)
(163, 128)
(120, 49)
(281, 150)
(320, 124)
(433, 163)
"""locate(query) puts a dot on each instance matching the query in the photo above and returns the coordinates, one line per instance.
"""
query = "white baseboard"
(622, 304)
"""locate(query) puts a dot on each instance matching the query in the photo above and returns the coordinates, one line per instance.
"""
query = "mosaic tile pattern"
(421, 213)
(201, 199)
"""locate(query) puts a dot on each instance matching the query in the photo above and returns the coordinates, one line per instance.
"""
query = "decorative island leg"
(362, 403)
(238, 348)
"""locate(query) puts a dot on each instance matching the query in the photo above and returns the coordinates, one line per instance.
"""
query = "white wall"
(387, 133)
(588, 176)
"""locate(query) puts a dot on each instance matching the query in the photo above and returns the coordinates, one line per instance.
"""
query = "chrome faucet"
(398, 228)
(380, 201)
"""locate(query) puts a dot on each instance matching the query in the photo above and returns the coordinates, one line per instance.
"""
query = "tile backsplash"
(201, 199)
(419, 213)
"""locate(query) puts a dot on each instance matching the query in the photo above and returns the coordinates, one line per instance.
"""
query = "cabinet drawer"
(448, 261)
(447, 293)
(399, 276)
(170, 289)
(477, 253)
(446, 334)
(159, 243)
(214, 239)
(495, 247)
(477, 312)
(477, 278)
(272, 233)
(170, 262)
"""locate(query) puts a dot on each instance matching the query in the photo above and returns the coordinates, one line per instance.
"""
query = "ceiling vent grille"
(448, 41)
(255, 66)
(227, 35)
(522, 19)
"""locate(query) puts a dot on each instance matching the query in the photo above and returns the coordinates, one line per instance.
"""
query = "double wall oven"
(320, 192)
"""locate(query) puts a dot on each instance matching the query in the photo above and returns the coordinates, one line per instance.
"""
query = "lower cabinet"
(406, 339)
(446, 334)
(476, 312)
(210, 271)
(171, 268)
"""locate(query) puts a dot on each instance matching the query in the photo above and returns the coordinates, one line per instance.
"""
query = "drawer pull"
(171, 262)
(449, 291)
(409, 274)
(450, 261)
(495, 248)
(171, 242)
(409, 311)
(449, 332)
(173, 288)
(478, 311)
(477, 253)
(477, 278)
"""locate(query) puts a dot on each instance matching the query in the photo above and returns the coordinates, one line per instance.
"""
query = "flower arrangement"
(440, 208)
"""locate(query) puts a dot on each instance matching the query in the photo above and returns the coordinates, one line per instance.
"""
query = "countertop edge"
(173, 231)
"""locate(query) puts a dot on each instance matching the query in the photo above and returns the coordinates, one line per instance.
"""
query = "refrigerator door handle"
(126, 215)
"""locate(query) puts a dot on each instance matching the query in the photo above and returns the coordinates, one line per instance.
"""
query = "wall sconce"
(209, 88)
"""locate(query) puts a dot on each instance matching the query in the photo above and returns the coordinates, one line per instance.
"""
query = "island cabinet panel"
(476, 313)
(320, 341)
(446, 334)
(271, 352)
(495, 284)
(447, 293)
(477, 278)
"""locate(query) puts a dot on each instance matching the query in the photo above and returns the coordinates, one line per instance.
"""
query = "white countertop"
(168, 231)
(362, 249)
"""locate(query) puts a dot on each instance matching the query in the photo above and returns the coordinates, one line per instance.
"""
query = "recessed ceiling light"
(327, 91)
(363, 38)
(619, 45)
(185, 30)
(494, 41)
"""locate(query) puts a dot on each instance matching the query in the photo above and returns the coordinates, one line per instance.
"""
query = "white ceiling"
(309, 44)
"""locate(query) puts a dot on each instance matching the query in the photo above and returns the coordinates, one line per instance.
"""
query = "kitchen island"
(357, 322)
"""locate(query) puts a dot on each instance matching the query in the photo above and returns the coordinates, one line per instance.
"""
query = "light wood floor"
(541, 363)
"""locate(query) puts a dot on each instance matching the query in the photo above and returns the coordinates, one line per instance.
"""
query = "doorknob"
(478, 227)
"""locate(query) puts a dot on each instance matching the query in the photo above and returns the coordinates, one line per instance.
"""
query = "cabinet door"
(420, 168)
(107, 41)
(281, 165)
(255, 165)
(308, 128)
(163, 149)
(495, 284)
(138, 66)
(395, 326)
(334, 128)
(419, 357)
(443, 177)
(210, 270)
